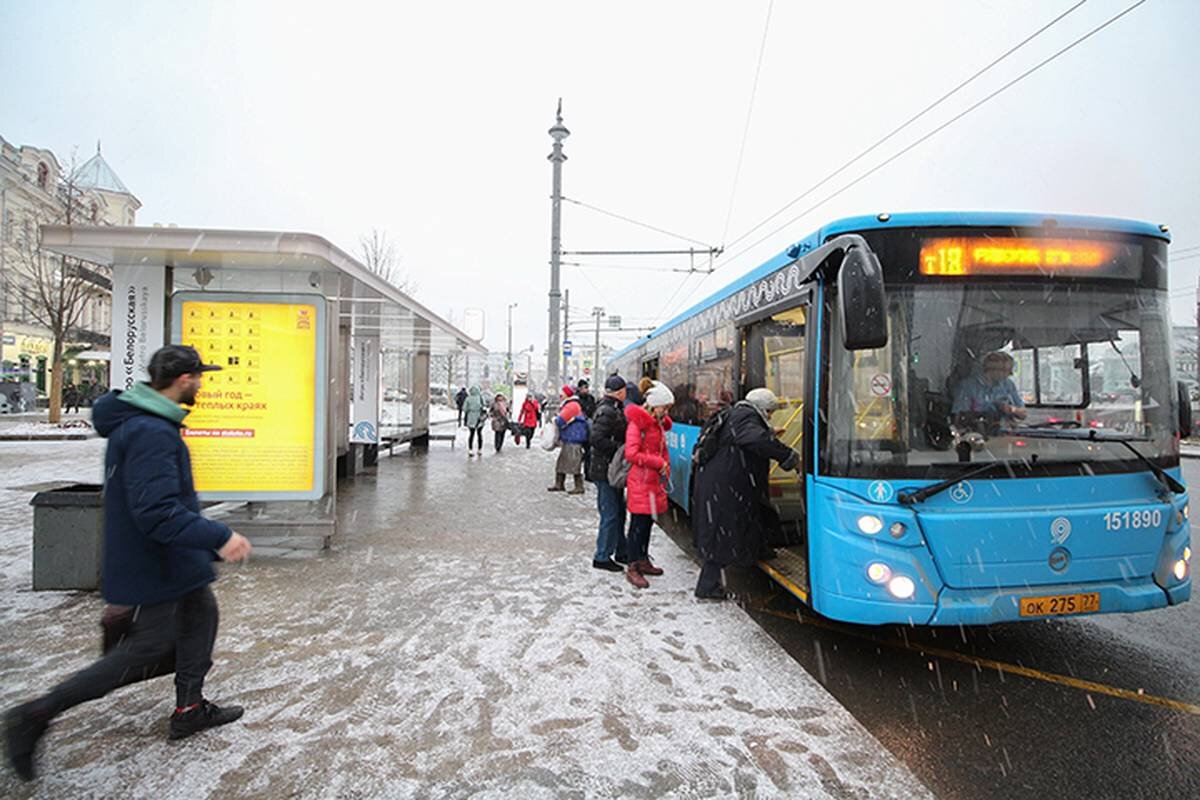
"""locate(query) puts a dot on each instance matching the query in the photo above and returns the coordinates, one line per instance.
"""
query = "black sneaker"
(22, 730)
(609, 566)
(205, 715)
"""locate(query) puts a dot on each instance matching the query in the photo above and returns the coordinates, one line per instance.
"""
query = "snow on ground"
(455, 642)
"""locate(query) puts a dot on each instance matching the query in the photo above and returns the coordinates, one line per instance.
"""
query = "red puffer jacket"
(646, 452)
(529, 413)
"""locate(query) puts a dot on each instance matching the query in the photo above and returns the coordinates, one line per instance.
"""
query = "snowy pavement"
(455, 642)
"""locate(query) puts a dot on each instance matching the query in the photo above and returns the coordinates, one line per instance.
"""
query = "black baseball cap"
(169, 362)
(615, 383)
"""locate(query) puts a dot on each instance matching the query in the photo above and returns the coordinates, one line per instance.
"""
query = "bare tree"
(379, 256)
(54, 289)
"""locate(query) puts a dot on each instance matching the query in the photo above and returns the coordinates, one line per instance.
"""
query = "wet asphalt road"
(1020, 724)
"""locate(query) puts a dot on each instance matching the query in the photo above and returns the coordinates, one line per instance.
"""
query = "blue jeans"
(611, 538)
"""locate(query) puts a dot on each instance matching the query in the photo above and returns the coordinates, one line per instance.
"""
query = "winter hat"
(659, 395)
(763, 400)
(567, 390)
(615, 383)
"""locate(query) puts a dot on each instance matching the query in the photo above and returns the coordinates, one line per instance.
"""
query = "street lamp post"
(557, 157)
(508, 356)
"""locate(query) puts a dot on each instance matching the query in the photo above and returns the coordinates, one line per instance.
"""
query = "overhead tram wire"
(979, 73)
(632, 221)
(932, 133)
(737, 173)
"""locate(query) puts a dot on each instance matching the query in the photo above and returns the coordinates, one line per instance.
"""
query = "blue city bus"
(923, 499)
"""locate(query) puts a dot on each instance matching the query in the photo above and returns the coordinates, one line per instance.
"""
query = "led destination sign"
(989, 255)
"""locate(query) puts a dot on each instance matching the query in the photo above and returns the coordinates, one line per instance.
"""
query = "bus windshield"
(973, 371)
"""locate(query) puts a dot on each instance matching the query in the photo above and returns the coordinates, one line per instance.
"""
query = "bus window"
(712, 370)
(650, 368)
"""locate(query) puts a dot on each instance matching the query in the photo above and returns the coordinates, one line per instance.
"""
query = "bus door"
(774, 355)
(650, 368)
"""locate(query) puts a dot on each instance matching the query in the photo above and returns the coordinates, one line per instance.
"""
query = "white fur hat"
(659, 395)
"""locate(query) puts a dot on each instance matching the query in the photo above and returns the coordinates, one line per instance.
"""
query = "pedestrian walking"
(158, 554)
(530, 418)
(649, 471)
(70, 398)
(573, 432)
(459, 400)
(607, 438)
(474, 414)
(499, 415)
(733, 517)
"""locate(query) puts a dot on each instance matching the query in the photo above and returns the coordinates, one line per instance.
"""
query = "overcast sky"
(428, 120)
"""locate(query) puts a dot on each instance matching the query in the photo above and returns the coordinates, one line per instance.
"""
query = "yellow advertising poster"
(252, 429)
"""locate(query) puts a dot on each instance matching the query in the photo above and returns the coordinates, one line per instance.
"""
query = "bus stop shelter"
(307, 337)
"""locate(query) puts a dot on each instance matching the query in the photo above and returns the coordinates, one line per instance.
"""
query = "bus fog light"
(1181, 570)
(878, 572)
(902, 587)
(897, 530)
(1187, 553)
(870, 524)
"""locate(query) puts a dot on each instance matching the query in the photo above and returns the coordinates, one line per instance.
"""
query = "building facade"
(36, 189)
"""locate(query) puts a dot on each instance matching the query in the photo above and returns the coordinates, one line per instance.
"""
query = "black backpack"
(708, 442)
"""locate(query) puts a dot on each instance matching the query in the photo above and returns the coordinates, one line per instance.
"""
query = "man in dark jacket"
(459, 399)
(158, 554)
(731, 507)
(586, 401)
(607, 437)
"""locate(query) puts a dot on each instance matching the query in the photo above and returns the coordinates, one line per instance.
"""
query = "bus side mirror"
(1185, 409)
(862, 307)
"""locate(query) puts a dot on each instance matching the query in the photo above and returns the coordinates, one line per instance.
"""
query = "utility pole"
(556, 157)
(597, 312)
(566, 312)
(508, 358)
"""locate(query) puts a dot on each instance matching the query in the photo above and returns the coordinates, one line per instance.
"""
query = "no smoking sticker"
(881, 384)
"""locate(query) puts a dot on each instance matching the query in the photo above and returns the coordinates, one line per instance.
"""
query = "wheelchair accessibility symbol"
(881, 492)
(962, 492)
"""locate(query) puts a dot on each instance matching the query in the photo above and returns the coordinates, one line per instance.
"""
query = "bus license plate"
(1060, 604)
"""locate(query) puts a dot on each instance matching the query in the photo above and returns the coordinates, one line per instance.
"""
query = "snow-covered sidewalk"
(455, 642)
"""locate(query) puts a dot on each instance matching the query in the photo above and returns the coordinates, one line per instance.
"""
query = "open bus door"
(774, 355)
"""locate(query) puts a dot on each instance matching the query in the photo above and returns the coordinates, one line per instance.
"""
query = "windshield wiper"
(1091, 435)
(908, 498)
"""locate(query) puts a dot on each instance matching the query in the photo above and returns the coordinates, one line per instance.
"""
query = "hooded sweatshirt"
(157, 546)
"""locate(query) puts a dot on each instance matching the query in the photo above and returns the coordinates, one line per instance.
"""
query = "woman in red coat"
(649, 468)
(529, 418)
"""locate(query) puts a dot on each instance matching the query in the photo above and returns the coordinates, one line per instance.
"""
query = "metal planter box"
(68, 537)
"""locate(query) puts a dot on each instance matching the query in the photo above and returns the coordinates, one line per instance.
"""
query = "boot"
(578, 487)
(560, 480)
(23, 727)
(200, 716)
(635, 577)
(646, 568)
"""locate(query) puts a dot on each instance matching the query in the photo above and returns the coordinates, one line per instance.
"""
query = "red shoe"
(635, 577)
(646, 568)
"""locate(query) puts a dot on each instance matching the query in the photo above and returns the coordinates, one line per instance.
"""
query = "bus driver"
(991, 394)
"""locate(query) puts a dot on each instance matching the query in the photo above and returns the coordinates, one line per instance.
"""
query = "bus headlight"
(1181, 569)
(870, 524)
(902, 587)
(878, 572)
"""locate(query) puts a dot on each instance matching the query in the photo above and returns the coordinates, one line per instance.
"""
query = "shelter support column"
(420, 385)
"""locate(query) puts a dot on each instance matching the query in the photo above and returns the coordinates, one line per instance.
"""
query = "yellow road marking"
(980, 663)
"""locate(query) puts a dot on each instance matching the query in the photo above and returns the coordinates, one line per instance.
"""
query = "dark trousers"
(472, 435)
(460, 416)
(638, 539)
(187, 625)
(528, 434)
(710, 579)
(500, 438)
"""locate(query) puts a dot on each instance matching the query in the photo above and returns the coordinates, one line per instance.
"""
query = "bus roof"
(912, 219)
